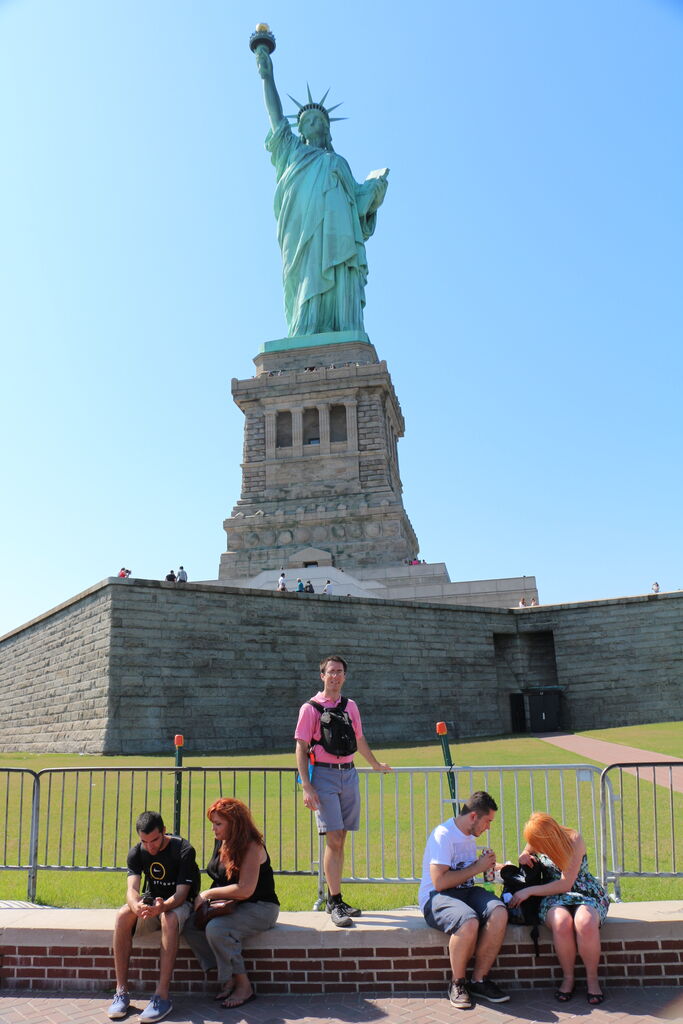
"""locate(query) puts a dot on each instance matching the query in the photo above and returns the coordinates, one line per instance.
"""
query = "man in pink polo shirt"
(332, 789)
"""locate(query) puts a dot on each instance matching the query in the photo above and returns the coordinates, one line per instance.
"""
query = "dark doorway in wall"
(545, 710)
(517, 712)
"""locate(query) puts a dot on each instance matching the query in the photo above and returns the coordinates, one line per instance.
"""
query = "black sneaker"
(488, 990)
(350, 911)
(338, 915)
(458, 994)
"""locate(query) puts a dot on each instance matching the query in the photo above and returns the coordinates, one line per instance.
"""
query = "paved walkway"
(623, 1006)
(616, 753)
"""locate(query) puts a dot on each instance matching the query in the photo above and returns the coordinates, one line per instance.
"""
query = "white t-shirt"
(446, 845)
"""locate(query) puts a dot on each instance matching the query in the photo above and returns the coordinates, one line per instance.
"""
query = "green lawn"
(660, 737)
(407, 810)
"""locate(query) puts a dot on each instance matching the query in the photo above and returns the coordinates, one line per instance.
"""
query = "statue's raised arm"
(324, 216)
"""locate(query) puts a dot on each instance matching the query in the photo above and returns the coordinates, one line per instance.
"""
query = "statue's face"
(314, 128)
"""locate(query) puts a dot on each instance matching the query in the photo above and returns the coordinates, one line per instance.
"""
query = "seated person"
(172, 881)
(240, 870)
(473, 917)
(574, 905)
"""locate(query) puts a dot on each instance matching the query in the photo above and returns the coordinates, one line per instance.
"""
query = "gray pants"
(220, 945)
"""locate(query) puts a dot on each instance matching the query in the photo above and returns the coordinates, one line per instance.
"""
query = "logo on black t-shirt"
(157, 871)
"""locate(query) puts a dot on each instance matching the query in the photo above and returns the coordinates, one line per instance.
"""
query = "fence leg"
(322, 898)
(33, 843)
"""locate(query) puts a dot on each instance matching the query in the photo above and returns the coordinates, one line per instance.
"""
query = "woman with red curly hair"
(574, 904)
(239, 870)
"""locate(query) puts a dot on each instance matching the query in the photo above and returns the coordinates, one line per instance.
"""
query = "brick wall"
(396, 969)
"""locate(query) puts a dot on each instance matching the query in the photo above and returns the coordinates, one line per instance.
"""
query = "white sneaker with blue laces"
(119, 1006)
(156, 1009)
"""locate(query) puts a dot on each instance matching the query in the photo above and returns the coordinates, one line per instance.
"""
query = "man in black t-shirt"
(172, 880)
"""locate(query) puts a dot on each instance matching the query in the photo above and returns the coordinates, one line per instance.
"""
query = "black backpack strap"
(318, 707)
(534, 938)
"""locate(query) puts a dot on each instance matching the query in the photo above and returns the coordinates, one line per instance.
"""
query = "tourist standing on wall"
(331, 789)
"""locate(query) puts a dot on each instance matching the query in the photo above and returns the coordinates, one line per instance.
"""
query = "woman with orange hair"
(574, 905)
(240, 870)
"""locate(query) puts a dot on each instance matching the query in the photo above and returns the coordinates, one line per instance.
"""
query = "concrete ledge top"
(54, 926)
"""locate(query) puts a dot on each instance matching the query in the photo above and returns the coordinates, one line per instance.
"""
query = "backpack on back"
(337, 735)
(516, 877)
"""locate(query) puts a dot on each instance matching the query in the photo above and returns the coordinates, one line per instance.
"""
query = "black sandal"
(564, 997)
(595, 998)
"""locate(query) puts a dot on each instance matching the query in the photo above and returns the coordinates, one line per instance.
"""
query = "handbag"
(208, 909)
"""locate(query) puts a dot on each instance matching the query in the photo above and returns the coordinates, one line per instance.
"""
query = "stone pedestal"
(320, 465)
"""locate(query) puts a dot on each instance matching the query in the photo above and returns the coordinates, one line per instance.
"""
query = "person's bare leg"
(241, 992)
(169, 947)
(490, 941)
(587, 925)
(123, 943)
(333, 860)
(461, 947)
(561, 923)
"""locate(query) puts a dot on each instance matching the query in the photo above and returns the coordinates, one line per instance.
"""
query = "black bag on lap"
(516, 877)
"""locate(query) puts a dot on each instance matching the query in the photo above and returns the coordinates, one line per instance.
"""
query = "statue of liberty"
(324, 216)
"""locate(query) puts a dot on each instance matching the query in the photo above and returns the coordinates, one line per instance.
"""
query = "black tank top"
(265, 886)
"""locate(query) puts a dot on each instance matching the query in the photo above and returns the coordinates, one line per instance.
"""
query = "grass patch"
(659, 737)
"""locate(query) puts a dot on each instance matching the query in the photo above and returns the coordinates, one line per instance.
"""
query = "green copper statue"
(323, 215)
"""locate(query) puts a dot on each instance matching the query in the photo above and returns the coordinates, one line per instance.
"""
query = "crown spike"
(330, 109)
(308, 90)
(338, 119)
(322, 101)
(299, 105)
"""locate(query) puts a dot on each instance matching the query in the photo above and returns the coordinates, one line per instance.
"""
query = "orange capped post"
(179, 739)
(442, 733)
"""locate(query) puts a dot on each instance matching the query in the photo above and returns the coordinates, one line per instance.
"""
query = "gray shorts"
(145, 925)
(448, 910)
(339, 796)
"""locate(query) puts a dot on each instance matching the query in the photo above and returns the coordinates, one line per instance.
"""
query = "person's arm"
(310, 796)
(270, 93)
(364, 751)
(133, 898)
(561, 884)
(445, 877)
(527, 857)
(162, 906)
(244, 887)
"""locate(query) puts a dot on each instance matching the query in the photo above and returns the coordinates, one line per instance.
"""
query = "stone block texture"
(127, 664)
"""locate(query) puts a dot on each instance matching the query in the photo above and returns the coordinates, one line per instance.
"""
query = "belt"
(337, 767)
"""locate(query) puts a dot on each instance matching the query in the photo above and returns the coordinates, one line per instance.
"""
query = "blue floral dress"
(586, 890)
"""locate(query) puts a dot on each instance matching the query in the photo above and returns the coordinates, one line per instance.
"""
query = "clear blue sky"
(525, 277)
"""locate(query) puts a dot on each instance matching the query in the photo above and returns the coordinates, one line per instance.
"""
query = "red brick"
(60, 972)
(94, 950)
(287, 954)
(671, 944)
(367, 951)
(426, 976)
(30, 950)
(673, 970)
(32, 972)
(89, 972)
(18, 961)
(660, 957)
(61, 951)
(375, 965)
(71, 961)
(405, 963)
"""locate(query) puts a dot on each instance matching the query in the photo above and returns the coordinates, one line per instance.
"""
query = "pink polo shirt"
(308, 728)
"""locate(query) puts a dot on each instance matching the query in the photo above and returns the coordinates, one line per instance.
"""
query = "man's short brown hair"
(332, 657)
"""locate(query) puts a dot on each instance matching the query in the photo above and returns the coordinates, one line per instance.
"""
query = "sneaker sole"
(491, 999)
(153, 1020)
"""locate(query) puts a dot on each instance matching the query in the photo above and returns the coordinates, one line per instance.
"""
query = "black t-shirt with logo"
(175, 865)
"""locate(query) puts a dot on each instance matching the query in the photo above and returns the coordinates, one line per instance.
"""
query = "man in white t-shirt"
(472, 916)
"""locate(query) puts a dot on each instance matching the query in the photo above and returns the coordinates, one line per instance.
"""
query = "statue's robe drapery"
(322, 224)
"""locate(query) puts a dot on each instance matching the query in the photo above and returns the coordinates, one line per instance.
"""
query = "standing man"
(472, 916)
(172, 880)
(181, 576)
(329, 729)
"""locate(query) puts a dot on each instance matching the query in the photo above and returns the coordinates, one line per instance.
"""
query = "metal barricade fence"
(19, 803)
(86, 820)
(649, 797)
(400, 809)
(83, 819)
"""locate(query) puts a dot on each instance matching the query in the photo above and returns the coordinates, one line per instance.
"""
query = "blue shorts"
(448, 910)
(339, 796)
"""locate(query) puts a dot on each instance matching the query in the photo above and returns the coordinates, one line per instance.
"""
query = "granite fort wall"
(126, 664)
(54, 678)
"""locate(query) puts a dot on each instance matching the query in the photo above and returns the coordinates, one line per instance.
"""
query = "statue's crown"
(312, 105)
